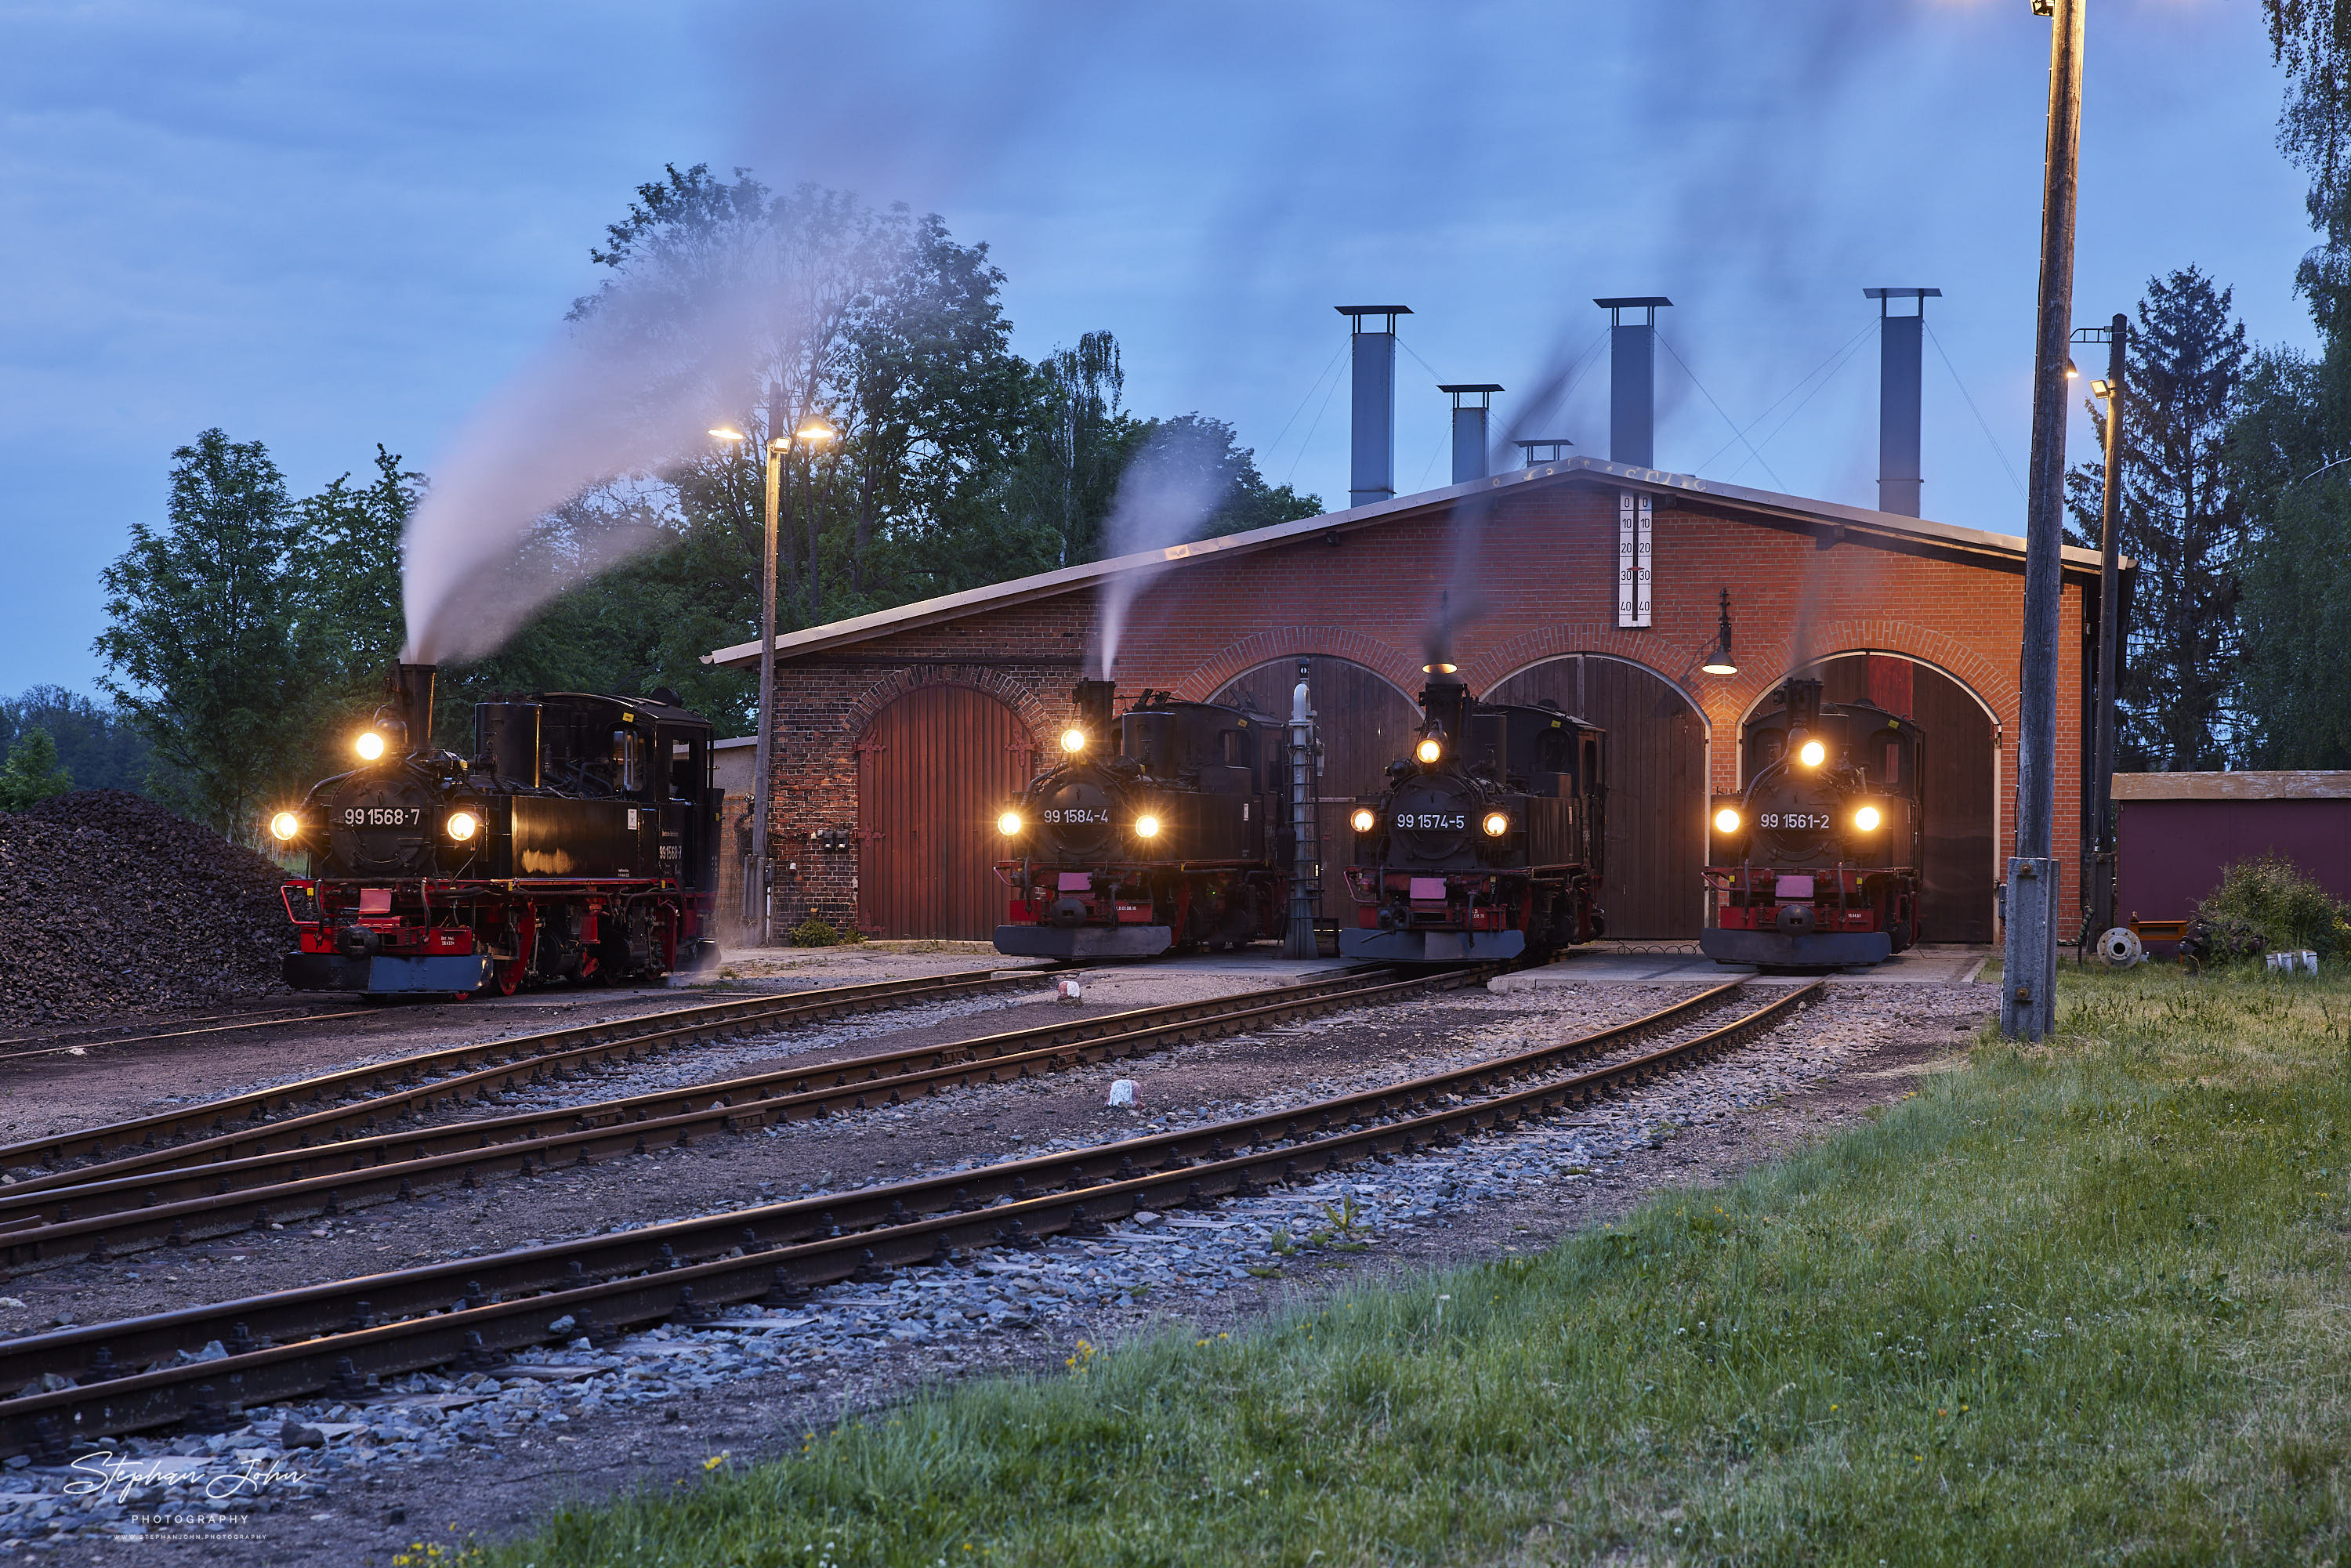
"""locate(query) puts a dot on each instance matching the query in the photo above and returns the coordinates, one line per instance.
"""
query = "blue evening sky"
(324, 227)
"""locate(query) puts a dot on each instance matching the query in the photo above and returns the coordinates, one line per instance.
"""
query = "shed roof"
(2308, 784)
(1857, 525)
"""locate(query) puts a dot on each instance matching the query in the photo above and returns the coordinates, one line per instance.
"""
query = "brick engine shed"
(899, 734)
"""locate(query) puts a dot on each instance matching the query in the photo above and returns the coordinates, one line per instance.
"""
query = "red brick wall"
(1531, 579)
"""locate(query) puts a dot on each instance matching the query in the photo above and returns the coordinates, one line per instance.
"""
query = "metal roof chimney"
(1548, 450)
(1899, 363)
(1371, 475)
(1470, 426)
(1633, 379)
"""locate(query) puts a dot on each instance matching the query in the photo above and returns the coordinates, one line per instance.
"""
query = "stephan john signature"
(115, 1478)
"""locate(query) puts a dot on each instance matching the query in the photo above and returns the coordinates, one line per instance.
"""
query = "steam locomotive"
(1488, 842)
(579, 842)
(1815, 864)
(1162, 829)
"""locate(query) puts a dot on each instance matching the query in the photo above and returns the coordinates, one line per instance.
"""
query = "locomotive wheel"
(505, 977)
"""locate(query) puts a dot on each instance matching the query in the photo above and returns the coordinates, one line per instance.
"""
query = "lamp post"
(2028, 1000)
(758, 876)
(2101, 861)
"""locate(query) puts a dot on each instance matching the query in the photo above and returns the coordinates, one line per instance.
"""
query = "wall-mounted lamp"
(1720, 661)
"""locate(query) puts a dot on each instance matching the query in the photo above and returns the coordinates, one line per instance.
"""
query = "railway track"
(334, 1337)
(81, 1041)
(233, 1183)
(409, 1085)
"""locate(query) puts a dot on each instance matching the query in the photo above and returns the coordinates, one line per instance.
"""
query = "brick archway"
(1399, 667)
(1036, 716)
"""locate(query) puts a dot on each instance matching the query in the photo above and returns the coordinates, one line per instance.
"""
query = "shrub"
(815, 931)
(2270, 898)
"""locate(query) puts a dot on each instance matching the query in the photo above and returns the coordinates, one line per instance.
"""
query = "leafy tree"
(247, 629)
(98, 745)
(31, 772)
(202, 645)
(2182, 521)
(2293, 432)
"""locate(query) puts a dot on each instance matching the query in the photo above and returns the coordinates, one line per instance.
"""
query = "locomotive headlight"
(1008, 823)
(1361, 820)
(463, 825)
(1496, 823)
(285, 826)
(1146, 826)
(1073, 740)
(1866, 818)
(1726, 821)
(1812, 753)
(370, 746)
(1428, 750)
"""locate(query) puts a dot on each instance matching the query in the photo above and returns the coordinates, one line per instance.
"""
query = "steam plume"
(1169, 489)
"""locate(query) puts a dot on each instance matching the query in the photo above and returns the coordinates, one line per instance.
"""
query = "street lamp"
(758, 875)
(2109, 388)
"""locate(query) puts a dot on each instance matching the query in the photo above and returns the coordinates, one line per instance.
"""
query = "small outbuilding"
(2176, 832)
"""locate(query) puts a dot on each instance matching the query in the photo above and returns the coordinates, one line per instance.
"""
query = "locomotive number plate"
(1432, 819)
(1799, 819)
(381, 817)
(1077, 814)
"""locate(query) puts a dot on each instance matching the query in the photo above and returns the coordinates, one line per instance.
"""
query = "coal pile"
(109, 904)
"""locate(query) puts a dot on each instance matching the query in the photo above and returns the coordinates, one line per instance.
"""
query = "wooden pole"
(2028, 994)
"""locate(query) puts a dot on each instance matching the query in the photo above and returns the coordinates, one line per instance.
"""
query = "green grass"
(2079, 1304)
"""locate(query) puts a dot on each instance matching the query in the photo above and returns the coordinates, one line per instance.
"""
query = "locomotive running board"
(1083, 941)
(1431, 946)
(1814, 950)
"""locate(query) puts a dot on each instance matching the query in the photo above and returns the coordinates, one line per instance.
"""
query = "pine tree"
(2183, 524)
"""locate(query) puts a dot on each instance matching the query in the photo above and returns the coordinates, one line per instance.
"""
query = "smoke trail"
(624, 391)
(1170, 487)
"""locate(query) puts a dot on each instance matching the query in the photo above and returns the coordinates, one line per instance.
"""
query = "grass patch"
(2080, 1304)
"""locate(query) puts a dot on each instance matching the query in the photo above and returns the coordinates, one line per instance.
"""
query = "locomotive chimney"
(1445, 702)
(1633, 379)
(1370, 474)
(1802, 698)
(1470, 426)
(415, 703)
(1900, 340)
(1093, 699)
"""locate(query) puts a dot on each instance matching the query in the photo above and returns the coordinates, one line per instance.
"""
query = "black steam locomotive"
(1487, 843)
(579, 841)
(1161, 830)
(1816, 865)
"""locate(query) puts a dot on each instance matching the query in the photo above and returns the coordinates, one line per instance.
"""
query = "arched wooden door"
(1960, 764)
(1653, 883)
(933, 771)
(1365, 724)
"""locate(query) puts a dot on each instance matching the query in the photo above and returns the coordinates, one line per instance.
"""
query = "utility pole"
(2028, 1003)
(2110, 633)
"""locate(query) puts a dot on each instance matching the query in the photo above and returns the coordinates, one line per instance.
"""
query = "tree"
(2183, 522)
(201, 646)
(247, 629)
(31, 772)
(99, 747)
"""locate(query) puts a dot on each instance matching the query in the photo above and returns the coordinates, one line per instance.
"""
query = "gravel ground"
(96, 1082)
(437, 1459)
